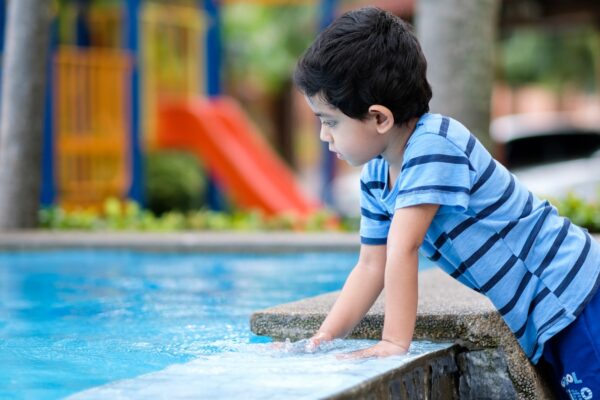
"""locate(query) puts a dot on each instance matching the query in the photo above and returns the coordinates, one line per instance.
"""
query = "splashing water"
(261, 371)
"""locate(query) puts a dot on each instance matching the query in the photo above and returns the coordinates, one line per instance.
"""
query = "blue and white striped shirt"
(490, 232)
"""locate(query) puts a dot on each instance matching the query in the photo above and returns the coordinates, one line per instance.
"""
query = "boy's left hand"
(381, 349)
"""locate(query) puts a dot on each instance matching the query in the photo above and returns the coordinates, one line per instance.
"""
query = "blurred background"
(184, 109)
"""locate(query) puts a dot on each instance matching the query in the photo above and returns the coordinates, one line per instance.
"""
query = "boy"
(428, 184)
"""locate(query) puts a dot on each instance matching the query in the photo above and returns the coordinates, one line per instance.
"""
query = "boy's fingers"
(313, 344)
(366, 353)
(310, 347)
(316, 341)
(277, 345)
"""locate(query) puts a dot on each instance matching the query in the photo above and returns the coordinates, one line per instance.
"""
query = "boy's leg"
(574, 355)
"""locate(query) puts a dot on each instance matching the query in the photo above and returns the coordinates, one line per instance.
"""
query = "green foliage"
(174, 182)
(115, 216)
(551, 58)
(580, 212)
(263, 42)
(128, 216)
(350, 224)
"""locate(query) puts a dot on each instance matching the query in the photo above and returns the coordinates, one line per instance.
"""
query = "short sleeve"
(374, 219)
(435, 171)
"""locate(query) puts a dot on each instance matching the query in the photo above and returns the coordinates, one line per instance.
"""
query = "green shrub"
(580, 212)
(174, 182)
(118, 216)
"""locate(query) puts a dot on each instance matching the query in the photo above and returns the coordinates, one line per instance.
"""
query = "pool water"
(75, 320)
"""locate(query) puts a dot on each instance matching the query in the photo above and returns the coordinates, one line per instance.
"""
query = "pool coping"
(205, 241)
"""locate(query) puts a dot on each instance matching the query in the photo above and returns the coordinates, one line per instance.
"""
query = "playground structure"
(119, 83)
(219, 133)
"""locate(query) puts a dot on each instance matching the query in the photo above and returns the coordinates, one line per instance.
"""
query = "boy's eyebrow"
(320, 114)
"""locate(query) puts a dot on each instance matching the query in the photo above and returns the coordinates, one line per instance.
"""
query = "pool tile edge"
(201, 241)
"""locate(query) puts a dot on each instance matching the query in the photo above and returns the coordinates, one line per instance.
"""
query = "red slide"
(219, 133)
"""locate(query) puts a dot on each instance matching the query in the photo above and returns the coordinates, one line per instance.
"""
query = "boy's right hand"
(317, 339)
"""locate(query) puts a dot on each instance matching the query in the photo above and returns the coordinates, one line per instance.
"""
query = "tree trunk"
(283, 123)
(22, 113)
(458, 38)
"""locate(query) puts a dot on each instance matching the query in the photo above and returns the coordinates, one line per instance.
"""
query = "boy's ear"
(383, 116)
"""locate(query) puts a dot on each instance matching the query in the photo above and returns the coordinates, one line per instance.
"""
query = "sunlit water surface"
(148, 325)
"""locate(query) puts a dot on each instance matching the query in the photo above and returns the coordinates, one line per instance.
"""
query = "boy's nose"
(324, 135)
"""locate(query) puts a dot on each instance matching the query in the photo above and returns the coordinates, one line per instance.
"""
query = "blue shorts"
(574, 355)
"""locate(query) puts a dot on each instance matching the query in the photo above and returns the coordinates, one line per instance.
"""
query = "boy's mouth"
(339, 155)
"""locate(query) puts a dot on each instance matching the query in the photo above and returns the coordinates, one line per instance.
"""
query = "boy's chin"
(354, 163)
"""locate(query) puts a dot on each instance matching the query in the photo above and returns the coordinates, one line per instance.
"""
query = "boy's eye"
(330, 124)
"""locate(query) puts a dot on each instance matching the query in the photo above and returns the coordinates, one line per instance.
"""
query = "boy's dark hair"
(367, 56)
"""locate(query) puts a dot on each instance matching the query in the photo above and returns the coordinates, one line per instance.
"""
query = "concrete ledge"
(228, 242)
(432, 376)
(447, 311)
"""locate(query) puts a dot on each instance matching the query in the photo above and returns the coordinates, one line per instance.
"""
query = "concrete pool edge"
(228, 242)
(448, 311)
(429, 376)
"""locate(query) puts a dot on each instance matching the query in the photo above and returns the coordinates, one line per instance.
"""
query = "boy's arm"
(406, 234)
(360, 291)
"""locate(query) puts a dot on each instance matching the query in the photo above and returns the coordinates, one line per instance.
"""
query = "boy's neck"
(394, 151)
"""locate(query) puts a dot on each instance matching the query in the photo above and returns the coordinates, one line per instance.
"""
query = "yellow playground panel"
(173, 54)
(92, 99)
(92, 115)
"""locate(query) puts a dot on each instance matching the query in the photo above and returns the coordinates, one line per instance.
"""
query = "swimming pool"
(73, 320)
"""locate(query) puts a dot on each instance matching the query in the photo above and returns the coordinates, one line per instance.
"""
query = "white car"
(552, 154)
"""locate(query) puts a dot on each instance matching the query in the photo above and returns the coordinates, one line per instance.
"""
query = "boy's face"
(354, 141)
